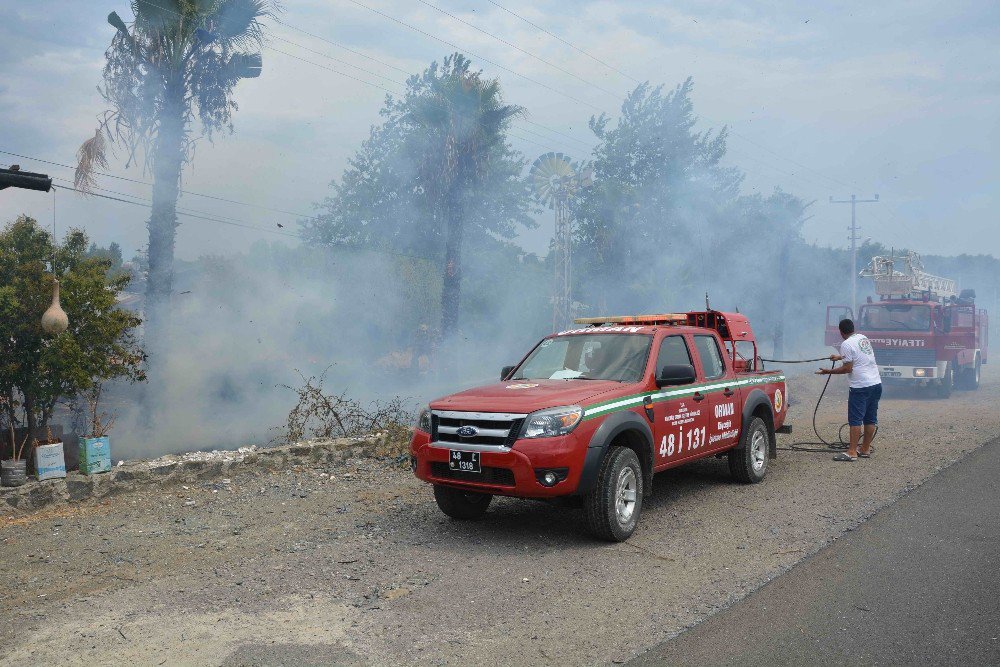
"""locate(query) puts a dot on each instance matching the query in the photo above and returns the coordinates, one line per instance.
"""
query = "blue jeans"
(862, 405)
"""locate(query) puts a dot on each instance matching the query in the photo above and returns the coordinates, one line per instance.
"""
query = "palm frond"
(91, 156)
(237, 23)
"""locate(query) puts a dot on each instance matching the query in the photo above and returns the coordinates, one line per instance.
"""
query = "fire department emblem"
(778, 400)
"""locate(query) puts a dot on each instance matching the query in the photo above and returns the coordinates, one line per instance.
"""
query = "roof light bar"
(664, 318)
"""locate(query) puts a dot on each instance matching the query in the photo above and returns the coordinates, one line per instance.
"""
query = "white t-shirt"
(858, 350)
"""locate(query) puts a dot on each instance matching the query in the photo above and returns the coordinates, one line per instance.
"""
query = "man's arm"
(843, 369)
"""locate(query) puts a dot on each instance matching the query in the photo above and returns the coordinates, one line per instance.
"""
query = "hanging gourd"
(55, 320)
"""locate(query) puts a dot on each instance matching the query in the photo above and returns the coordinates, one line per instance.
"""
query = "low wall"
(190, 467)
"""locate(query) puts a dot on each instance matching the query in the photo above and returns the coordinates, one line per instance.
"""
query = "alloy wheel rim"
(758, 450)
(626, 494)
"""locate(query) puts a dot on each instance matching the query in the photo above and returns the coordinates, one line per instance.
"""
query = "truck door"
(721, 400)
(678, 415)
(834, 314)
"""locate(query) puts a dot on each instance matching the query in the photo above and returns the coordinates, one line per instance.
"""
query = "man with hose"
(866, 389)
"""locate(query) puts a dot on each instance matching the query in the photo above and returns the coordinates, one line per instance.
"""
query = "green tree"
(38, 369)
(178, 60)
(658, 184)
(438, 168)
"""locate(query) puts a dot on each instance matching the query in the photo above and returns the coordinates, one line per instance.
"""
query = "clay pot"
(55, 320)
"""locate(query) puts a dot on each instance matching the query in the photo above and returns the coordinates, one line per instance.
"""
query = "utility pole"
(854, 201)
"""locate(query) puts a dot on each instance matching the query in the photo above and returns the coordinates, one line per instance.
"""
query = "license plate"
(892, 374)
(464, 461)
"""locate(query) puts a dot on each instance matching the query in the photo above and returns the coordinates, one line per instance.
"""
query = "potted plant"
(95, 448)
(50, 459)
(13, 471)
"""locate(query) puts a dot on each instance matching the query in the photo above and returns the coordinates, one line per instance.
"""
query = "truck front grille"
(489, 475)
(905, 357)
(496, 429)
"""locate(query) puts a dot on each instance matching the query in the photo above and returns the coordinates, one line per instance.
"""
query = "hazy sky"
(896, 98)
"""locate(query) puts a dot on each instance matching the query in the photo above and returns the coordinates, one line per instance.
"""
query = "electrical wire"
(186, 192)
(475, 55)
(517, 48)
(557, 37)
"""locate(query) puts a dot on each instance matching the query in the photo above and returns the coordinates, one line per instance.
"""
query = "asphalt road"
(917, 584)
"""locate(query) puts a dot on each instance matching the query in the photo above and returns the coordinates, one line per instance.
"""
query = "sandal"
(862, 455)
(844, 456)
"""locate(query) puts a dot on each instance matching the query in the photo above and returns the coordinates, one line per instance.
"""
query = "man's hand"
(823, 371)
(835, 357)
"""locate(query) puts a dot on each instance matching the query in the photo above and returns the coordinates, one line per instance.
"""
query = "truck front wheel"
(612, 509)
(460, 504)
(748, 462)
(946, 383)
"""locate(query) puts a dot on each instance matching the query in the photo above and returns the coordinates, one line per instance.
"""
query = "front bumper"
(506, 472)
(913, 373)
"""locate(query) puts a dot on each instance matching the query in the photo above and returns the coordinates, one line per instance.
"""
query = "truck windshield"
(895, 317)
(618, 357)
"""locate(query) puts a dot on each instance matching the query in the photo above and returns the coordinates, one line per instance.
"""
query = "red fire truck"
(923, 330)
(591, 413)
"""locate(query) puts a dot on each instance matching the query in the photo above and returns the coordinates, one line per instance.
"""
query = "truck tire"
(612, 508)
(462, 505)
(748, 462)
(946, 383)
(971, 376)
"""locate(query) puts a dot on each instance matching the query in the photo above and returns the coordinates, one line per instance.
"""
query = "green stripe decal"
(635, 400)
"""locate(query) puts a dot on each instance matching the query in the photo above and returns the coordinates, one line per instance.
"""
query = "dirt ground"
(354, 564)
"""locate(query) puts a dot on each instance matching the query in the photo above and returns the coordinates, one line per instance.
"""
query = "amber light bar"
(665, 318)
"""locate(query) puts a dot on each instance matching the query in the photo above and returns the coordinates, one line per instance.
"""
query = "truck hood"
(524, 396)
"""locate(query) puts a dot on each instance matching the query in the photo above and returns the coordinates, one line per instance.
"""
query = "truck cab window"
(673, 352)
(711, 358)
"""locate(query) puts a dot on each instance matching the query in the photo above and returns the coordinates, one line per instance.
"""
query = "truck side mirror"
(504, 372)
(675, 375)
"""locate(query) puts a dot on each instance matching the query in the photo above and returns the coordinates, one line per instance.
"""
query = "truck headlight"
(424, 420)
(919, 372)
(551, 422)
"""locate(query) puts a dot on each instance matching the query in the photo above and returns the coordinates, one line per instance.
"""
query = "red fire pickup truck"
(593, 412)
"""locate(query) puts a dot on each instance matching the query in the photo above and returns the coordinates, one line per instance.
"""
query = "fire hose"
(810, 445)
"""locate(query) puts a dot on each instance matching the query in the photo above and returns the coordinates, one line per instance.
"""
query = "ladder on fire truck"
(909, 279)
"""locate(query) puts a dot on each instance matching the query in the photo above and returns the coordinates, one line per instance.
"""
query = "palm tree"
(465, 119)
(178, 59)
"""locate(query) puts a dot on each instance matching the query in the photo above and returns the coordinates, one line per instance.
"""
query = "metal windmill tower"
(556, 180)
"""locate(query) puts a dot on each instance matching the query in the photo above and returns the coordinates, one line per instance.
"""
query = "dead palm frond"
(91, 157)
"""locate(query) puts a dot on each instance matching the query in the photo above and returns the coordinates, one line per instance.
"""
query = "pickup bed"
(592, 413)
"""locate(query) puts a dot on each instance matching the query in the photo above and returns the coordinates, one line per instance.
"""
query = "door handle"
(697, 397)
(728, 392)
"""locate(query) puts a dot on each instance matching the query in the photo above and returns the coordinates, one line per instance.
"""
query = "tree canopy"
(37, 369)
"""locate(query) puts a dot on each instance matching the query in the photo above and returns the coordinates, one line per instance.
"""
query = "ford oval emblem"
(467, 432)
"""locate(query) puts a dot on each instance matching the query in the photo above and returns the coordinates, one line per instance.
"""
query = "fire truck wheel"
(460, 504)
(946, 383)
(612, 509)
(970, 376)
(748, 462)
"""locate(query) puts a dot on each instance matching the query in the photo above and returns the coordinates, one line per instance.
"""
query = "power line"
(338, 60)
(557, 37)
(517, 48)
(179, 212)
(336, 71)
(485, 60)
(187, 192)
(338, 45)
(345, 246)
